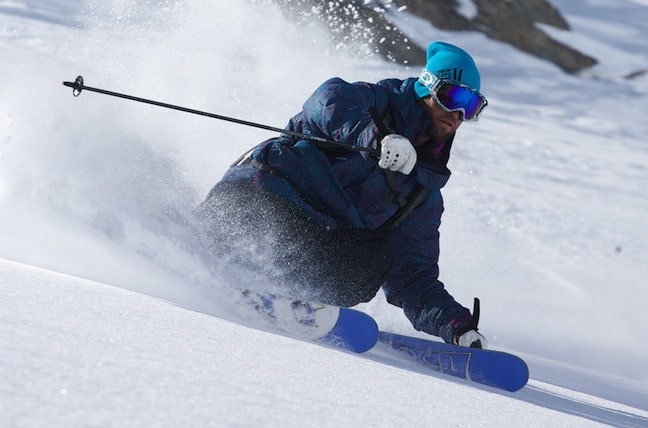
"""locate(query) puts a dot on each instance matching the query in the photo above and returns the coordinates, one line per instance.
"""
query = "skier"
(335, 224)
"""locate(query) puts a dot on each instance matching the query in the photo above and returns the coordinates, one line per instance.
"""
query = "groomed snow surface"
(110, 314)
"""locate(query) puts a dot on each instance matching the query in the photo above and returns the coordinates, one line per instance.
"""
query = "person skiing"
(336, 222)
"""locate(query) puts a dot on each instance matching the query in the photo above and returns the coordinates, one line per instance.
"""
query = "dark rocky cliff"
(370, 24)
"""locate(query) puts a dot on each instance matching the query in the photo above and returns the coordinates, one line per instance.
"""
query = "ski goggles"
(452, 95)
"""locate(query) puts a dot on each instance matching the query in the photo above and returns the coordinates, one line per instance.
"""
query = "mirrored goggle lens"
(455, 97)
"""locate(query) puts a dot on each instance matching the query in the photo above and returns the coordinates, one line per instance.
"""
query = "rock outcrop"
(370, 26)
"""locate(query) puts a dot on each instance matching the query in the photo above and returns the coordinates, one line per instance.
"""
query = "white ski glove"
(471, 339)
(397, 154)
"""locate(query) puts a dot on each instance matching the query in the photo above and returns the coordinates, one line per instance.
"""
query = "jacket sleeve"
(340, 111)
(413, 283)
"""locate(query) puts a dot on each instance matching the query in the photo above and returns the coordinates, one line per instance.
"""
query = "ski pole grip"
(474, 321)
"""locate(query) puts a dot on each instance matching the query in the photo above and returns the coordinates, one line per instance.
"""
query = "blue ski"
(493, 368)
(354, 331)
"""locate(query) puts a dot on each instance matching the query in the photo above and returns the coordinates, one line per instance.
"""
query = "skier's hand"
(471, 339)
(397, 154)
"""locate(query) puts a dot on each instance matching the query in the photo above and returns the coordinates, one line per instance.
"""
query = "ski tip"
(517, 377)
(354, 331)
(499, 369)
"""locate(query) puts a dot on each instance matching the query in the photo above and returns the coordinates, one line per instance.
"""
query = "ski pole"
(78, 86)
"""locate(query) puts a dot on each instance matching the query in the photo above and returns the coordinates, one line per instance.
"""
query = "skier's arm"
(340, 111)
(425, 301)
(413, 282)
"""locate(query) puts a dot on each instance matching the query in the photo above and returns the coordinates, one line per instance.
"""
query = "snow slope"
(110, 317)
(97, 355)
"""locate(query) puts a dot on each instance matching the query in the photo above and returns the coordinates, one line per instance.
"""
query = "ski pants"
(251, 230)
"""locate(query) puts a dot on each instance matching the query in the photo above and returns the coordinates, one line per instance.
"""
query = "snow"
(109, 315)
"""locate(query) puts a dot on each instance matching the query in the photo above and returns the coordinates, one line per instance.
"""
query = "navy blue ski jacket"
(347, 188)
